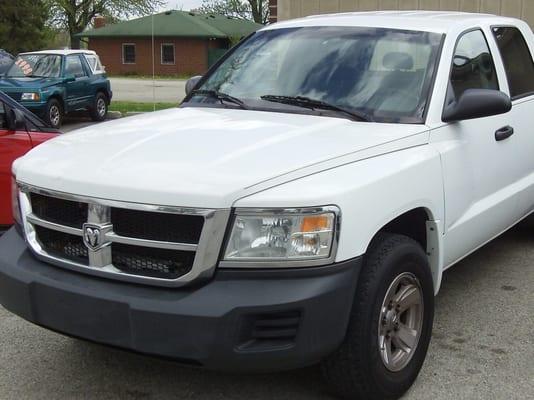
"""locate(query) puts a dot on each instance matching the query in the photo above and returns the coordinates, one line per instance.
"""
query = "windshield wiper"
(306, 102)
(221, 96)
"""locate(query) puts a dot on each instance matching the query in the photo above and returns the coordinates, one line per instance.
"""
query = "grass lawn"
(130, 106)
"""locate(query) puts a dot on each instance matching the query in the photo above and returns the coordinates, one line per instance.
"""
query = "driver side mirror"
(477, 103)
(17, 120)
(69, 78)
(191, 84)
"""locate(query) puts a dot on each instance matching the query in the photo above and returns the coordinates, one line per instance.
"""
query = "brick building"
(289, 9)
(184, 42)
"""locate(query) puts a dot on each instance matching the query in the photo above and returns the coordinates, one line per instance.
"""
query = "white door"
(478, 157)
(519, 69)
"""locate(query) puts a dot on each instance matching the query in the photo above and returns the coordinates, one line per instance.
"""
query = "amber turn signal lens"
(316, 223)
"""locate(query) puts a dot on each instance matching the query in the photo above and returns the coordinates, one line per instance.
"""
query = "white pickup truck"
(299, 207)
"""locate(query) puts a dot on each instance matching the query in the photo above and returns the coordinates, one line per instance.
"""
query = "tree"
(256, 10)
(23, 25)
(76, 15)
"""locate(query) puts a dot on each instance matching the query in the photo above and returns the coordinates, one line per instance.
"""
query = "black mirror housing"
(69, 78)
(477, 103)
(191, 84)
(17, 120)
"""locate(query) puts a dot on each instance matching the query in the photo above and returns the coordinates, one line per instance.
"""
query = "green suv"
(53, 83)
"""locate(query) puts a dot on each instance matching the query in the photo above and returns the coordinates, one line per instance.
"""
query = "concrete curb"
(114, 115)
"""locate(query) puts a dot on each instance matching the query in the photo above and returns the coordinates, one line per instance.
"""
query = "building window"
(167, 53)
(128, 53)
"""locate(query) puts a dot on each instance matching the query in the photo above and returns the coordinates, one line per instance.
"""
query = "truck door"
(519, 68)
(13, 144)
(479, 158)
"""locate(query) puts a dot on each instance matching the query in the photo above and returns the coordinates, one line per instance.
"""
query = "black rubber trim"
(204, 325)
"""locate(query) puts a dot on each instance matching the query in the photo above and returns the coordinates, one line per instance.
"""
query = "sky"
(181, 4)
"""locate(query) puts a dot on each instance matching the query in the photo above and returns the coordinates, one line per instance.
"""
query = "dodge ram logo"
(92, 236)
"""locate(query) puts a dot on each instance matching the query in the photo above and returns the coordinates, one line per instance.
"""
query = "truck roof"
(61, 52)
(430, 21)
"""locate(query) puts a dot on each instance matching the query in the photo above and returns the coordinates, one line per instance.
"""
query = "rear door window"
(517, 61)
(94, 64)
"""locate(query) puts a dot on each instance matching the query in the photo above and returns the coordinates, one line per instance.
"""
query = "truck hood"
(15, 85)
(204, 157)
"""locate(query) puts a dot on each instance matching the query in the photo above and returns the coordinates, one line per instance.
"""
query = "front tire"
(99, 110)
(390, 324)
(54, 113)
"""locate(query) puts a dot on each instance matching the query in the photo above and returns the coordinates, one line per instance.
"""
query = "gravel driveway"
(482, 348)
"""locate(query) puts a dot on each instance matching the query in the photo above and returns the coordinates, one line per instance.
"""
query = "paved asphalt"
(72, 123)
(482, 348)
(134, 90)
(145, 90)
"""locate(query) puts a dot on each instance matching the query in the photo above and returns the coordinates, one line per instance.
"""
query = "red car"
(20, 131)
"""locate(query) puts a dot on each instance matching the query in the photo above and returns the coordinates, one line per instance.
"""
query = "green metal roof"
(177, 24)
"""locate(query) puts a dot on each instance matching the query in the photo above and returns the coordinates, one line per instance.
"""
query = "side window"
(94, 63)
(3, 120)
(128, 53)
(91, 60)
(73, 66)
(517, 60)
(472, 66)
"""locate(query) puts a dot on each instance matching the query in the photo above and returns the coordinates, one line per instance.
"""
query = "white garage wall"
(524, 9)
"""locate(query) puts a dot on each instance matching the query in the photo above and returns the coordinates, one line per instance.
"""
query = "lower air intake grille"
(62, 245)
(270, 331)
(152, 262)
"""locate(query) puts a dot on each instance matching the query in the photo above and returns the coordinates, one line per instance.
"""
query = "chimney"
(99, 21)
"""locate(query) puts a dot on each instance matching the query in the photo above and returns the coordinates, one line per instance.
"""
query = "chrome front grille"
(159, 245)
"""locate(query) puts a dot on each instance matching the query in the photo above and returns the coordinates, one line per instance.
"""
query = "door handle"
(504, 133)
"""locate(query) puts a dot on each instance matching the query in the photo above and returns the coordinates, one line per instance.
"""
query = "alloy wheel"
(400, 322)
(55, 115)
(101, 107)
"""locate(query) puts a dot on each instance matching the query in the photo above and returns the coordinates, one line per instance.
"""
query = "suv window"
(472, 66)
(94, 63)
(517, 60)
(74, 67)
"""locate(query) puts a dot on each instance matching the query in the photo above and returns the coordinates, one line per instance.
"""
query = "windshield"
(38, 65)
(382, 73)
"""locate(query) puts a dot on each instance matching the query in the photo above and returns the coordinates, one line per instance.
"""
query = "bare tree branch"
(76, 15)
(255, 10)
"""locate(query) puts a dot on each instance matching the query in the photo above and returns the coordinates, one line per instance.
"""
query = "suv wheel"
(390, 325)
(54, 113)
(99, 109)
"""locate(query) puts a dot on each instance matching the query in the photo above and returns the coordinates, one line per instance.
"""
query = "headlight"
(30, 97)
(17, 217)
(282, 238)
